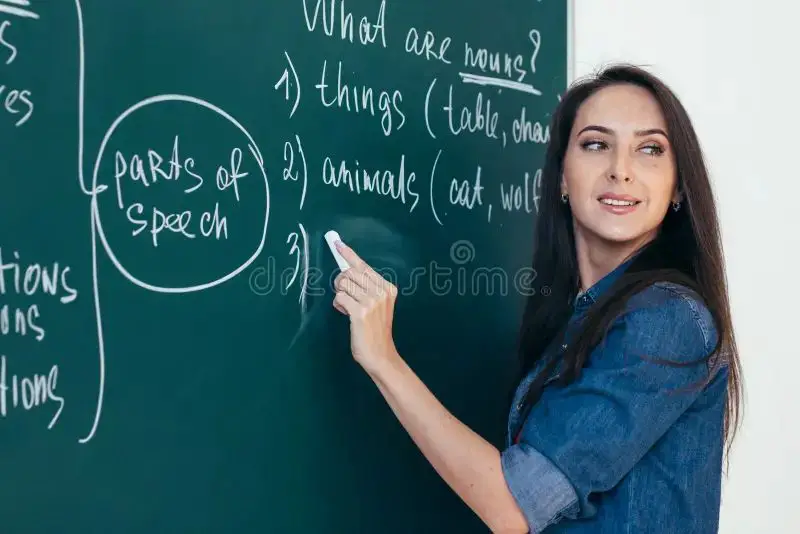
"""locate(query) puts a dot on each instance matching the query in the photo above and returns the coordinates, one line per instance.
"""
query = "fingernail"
(339, 244)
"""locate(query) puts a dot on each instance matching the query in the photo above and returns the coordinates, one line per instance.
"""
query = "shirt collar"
(592, 294)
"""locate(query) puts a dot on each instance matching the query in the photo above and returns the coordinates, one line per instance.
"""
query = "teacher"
(630, 380)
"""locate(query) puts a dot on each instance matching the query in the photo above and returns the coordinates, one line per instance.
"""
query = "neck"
(598, 257)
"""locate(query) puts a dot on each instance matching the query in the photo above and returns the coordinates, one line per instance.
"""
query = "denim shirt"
(632, 445)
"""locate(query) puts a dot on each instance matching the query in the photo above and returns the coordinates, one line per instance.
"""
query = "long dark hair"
(687, 249)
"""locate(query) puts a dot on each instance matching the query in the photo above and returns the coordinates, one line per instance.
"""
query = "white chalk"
(332, 236)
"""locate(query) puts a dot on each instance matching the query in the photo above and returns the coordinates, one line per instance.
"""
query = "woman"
(630, 377)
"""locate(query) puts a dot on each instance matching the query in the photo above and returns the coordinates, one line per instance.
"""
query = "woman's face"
(619, 169)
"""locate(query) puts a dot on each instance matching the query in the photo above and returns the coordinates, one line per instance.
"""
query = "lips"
(618, 204)
(610, 199)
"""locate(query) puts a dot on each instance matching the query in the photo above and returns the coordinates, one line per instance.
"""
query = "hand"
(368, 299)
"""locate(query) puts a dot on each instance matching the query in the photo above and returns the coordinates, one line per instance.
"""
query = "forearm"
(468, 463)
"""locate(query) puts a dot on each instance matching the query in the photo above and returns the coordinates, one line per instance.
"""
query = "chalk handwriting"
(366, 33)
(229, 177)
(6, 44)
(27, 393)
(427, 46)
(427, 113)
(382, 182)
(15, 101)
(20, 321)
(431, 183)
(20, 278)
(18, 8)
(479, 118)
(357, 99)
(301, 254)
(503, 63)
(294, 250)
(525, 131)
(465, 193)
(522, 197)
(148, 171)
(501, 83)
(289, 172)
(537, 188)
(211, 223)
(287, 83)
(151, 170)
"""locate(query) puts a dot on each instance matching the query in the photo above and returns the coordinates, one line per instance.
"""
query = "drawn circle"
(462, 251)
(96, 222)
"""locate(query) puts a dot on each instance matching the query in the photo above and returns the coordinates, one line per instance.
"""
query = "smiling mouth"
(620, 203)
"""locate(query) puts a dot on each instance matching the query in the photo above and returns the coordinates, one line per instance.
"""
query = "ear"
(677, 196)
(563, 185)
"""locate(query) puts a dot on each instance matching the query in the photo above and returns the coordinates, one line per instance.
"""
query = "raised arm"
(466, 462)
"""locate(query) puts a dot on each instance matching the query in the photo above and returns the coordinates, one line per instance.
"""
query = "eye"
(593, 145)
(653, 150)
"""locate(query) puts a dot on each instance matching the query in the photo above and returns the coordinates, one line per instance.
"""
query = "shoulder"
(671, 319)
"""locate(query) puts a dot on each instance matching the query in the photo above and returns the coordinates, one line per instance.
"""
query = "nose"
(619, 169)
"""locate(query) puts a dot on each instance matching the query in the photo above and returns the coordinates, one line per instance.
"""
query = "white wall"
(732, 63)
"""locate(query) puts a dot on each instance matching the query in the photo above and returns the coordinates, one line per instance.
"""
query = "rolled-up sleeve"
(583, 438)
(543, 493)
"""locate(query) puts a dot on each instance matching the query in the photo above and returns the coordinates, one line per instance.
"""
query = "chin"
(628, 238)
(620, 235)
(614, 230)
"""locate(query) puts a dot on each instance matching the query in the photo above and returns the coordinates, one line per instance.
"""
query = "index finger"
(350, 256)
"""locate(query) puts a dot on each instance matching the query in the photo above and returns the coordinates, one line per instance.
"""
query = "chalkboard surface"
(169, 357)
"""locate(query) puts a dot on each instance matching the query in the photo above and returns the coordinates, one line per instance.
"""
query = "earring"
(676, 206)
(564, 198)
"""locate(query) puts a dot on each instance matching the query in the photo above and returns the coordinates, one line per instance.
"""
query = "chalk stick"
(332, 236)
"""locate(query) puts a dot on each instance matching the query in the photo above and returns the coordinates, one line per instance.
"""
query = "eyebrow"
(609, 131)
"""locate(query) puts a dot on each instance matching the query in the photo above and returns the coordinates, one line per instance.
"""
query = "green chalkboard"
(170, 359)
